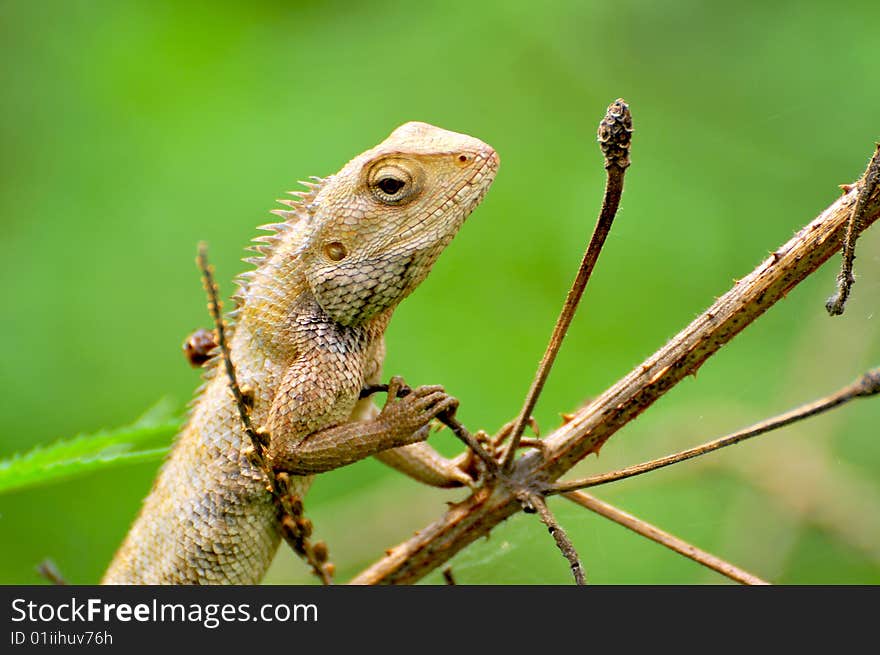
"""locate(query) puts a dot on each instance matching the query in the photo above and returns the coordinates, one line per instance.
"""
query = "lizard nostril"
(464, 159)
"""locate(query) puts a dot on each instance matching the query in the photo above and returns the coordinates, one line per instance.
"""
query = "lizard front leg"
(401, 422)
(417, 460)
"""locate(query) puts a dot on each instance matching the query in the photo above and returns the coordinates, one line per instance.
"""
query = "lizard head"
(382, 221)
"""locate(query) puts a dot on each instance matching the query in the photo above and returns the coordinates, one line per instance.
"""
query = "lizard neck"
(281, 315)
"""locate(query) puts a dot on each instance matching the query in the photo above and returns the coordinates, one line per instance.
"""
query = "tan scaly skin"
(308, 337)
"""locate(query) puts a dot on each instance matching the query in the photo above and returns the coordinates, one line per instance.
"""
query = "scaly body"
(308, 337)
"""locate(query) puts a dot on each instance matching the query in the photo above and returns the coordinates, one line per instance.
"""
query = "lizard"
(307, 335)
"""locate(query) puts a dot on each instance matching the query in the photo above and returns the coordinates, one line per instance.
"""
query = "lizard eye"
(391, 183)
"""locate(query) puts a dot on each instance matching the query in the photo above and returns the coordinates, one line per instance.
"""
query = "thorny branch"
(594, 424)
(295, 528)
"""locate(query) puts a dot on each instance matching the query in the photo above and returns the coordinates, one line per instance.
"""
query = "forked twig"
(845, 280)
(295, 528)
(663, 538)
(615, 134)
(867, 385)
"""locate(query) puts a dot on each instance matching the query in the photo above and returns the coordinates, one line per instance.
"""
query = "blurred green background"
(130, 131)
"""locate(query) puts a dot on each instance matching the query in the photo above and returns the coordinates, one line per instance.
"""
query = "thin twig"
(845, 280)
(562, 541)
(215, 307)
(664, 538)
(295, 528)
(594, 424)
(448, 578)
(48, 570)
(450, 421)
(615, 134)
(867, 385)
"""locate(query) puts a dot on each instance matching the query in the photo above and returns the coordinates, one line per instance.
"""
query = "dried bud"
(247, 395)
(304, 525)
(262, 434)
(615, 134)
(296, 505)
(251, 455)
(321, 552)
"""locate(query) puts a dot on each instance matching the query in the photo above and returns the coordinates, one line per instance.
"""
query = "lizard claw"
(410, 411)
(396, 388)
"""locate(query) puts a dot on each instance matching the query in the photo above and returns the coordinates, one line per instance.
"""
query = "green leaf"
(147, 439)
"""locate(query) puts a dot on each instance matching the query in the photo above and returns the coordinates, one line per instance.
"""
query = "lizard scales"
(308, 336)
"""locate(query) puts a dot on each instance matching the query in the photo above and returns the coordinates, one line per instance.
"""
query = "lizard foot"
(410, 411)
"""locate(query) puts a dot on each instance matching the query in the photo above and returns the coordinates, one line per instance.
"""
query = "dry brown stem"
(615, 134)
(594, 424)
(845, 280)
(566, 547)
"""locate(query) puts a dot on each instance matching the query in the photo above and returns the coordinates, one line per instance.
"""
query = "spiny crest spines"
(265, 244)
(286, 214)
(298, 211)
